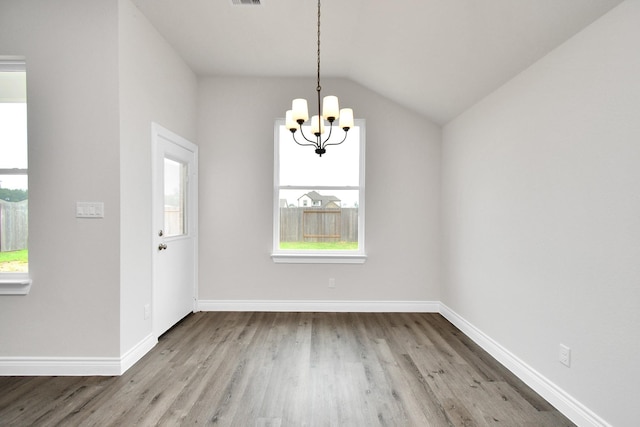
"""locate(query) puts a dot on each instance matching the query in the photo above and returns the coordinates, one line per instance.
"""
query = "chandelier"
(299, 114)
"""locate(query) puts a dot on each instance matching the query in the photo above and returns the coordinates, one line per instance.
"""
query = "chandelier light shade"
(320, 137)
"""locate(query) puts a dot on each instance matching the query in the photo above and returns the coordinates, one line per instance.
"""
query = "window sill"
(19, 285)
(298, 258)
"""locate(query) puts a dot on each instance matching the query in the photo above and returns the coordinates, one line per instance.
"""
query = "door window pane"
(174, 198)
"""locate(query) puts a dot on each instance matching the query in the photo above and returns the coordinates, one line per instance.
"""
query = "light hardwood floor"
(292, 369)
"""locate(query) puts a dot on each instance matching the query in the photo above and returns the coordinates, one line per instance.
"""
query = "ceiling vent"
(246, 2)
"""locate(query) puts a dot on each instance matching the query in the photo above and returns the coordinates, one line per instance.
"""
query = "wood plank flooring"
(292, 369)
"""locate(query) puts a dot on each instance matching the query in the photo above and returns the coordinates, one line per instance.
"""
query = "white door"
(175, 190)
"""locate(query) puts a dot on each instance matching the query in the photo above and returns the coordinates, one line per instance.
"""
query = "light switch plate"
(89, 210)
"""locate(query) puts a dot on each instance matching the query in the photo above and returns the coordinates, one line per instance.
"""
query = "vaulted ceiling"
(437, 57)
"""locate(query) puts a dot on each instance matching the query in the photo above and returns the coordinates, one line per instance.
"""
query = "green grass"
(14, 262)
(322, 246)
(15, 256)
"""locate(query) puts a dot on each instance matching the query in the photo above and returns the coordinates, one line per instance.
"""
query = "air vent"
(246, 2)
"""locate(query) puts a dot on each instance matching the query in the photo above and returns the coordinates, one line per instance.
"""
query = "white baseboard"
(561, 400)
(321, 306)
(60, 366)
(75, 366)
(137, 352)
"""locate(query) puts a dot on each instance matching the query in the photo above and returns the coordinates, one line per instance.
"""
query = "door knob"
(162, 246)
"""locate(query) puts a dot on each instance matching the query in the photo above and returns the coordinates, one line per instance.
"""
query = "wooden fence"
(318, 225)
(14, 231)
(173, 221)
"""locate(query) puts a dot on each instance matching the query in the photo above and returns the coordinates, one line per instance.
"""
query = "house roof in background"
(435, 57)
(317, 197)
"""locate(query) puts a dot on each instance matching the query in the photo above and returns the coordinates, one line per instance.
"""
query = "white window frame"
(317, 257)
(14, 283)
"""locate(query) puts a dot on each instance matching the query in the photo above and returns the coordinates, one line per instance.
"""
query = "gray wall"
(235, 136)
(98, 74)
(71, 50)
(155, 86)
(540, 209)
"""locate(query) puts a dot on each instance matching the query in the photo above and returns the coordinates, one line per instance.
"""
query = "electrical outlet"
(565, 355)
(332, 283)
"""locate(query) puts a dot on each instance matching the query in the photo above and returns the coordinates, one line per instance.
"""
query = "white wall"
(98, 75)
(155, 86)
(71, 49)
(235, 134)
(540, 212)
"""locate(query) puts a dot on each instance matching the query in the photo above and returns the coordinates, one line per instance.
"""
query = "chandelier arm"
(302, 144)
(338, 143)
(324, 143)
(314, 143)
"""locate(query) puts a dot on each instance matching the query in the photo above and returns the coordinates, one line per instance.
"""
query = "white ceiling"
(437, 57)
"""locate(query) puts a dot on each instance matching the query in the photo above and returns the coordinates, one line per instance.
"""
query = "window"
(14, 204)
(319, 201)
(175, 177)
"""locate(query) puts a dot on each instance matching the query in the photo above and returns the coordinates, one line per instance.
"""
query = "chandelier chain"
(318, 88)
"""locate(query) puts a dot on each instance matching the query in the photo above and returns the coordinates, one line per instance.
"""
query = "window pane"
(14, 205)
(13, 135)
(13, 82)
(302, 166)
(319, 219)
(14, 212)
(174, 198)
